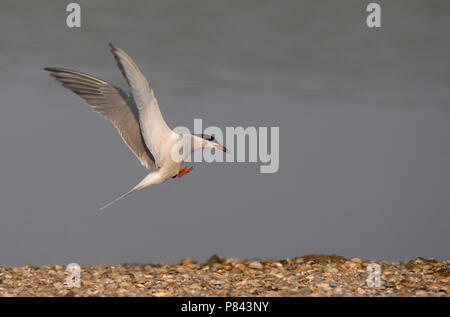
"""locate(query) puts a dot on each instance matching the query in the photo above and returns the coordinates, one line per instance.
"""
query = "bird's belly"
(171, 168)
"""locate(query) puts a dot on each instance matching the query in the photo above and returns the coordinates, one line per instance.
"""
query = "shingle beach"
(309, 275)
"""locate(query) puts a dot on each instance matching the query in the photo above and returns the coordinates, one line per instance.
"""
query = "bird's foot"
(183, 172)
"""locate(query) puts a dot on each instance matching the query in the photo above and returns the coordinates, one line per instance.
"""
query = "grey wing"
(155, 130)
(112, 103)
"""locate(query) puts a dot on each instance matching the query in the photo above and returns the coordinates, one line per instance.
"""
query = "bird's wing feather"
(112, 103)
(155, 130)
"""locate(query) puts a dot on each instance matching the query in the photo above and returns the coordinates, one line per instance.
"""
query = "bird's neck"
(197, 143)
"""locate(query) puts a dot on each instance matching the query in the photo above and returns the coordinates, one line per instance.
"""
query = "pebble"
(255, 265)
(310, 275)
(421, 293)
(187, 261)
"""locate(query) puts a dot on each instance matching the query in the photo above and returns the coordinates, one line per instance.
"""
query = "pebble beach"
(309, 275)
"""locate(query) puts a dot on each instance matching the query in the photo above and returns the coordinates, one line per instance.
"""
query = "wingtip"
(113, 47)
(54, 69)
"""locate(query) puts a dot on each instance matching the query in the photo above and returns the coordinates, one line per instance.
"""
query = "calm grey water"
(363, 116)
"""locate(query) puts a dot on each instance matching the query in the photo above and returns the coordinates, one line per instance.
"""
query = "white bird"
(137, 117)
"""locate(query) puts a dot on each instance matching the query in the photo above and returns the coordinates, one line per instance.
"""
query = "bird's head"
(205, 141)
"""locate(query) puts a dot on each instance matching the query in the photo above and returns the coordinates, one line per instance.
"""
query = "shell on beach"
(310, 275)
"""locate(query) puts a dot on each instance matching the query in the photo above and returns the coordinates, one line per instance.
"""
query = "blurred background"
(363, 116)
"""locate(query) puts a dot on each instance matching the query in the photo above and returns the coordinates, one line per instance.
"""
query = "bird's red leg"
(183, 172)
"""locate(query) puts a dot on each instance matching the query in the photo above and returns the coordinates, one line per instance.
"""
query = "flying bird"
(138, 119)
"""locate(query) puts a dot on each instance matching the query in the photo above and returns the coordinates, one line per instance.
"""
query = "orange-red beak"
(222, 148)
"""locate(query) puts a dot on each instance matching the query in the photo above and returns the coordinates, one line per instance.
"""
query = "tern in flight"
(137, 117)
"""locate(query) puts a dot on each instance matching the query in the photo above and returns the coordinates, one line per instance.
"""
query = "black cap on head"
(206, 136)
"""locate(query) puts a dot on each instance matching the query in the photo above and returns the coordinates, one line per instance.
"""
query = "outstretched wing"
(155, 130)
(112, 103)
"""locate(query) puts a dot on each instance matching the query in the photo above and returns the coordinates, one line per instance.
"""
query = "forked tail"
(150, 180)
(117, 199)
